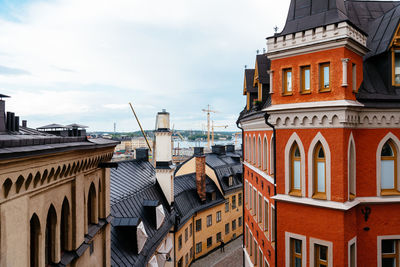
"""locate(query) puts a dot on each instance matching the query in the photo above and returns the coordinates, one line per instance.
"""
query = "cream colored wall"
(185, 245)
(26, 198)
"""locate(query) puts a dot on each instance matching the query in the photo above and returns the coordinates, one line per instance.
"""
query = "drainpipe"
(266, 116)
(243, 192)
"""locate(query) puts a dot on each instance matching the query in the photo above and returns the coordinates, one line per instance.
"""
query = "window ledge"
(287, 94)
(390, 193)
(295, 193)
(320, 196)
(306, 92)
(325, 90)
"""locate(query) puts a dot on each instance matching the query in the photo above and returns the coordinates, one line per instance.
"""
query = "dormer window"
(396, 67)
(141, 236)
(230, 181)
(160, 215)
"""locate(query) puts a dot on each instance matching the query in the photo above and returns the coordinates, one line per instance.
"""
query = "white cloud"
(95, 56)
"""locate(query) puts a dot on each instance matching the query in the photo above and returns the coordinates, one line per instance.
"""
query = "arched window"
(259, 152)
(319, 172)
(65, 226)
(389, 167)
(50, 240)
(254, 150)
(295, 170)
(265, 158)
(99, 204)
(34, 241)
(272, 170)
(247, 149)
(92, 206)
(352, 170)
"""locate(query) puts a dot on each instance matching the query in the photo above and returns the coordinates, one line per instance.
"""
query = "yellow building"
(54, 198)
(208, 202)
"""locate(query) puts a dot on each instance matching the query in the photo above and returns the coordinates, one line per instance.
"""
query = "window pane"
(307, 79)
(388, 262)
(321, 176)
(387, 174)
(322, 252)
(297, 152)
(326, 77)
(397, 68)
(387, 150)
(297, 262)
(321, 154)
(388, 246)
(289, 81)
(297, 246)
(353, 255)
(296, 174)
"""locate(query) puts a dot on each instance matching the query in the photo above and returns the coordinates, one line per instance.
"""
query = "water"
(189, 144)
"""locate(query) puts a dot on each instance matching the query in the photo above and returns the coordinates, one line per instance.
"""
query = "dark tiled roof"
(131, 185)
(187, 201)
(249, 76)
(130, 177)
(263, 65)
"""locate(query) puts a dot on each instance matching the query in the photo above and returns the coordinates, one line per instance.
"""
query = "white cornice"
(303, 105)
(259, 172)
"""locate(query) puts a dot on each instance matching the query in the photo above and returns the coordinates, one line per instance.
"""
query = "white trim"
(396, 142)
(266, 261)
(259, 152)
(328, 244)
(254, 150)
(317, 104)
(316, 202)
(344, 72)
(271, 157)
(265, 154)
(258, 208)
(382, 199)
(351, 141)
(295, 138)
(319, 138)
(250, 198)
(259, 172)
(379, 246)
(303, 239)
(267, 233)
(248, 262)
(351, 242)
(255, 250)
(272, 223)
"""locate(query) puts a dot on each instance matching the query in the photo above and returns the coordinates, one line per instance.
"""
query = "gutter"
(266, 116)
(243, 192)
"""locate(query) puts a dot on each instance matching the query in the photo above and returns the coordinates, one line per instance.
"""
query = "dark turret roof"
(249, 76)
(263, 65)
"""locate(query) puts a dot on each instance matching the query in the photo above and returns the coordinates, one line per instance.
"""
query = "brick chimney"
(200, 173)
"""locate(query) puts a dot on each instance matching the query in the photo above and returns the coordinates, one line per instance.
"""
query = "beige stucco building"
(54, 198)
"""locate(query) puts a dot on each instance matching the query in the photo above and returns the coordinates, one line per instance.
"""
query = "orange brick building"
(322, 138)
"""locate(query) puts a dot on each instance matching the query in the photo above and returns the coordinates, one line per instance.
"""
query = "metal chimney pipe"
(12, 123)
(16, 123)
(2, 116)
(24, 123)
(8, 125)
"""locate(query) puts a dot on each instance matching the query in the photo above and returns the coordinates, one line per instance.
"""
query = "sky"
(83, 61)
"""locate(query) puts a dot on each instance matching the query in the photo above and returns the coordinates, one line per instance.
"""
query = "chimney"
(16, 124)
(10, 121)
(200, 173)
(142, 154)
(230, 148)
(218, 149)
(24, 123)
(2, 116)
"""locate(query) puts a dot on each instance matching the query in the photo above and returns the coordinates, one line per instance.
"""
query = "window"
(233, 225)
(230, 180)
(240, 221)
(218, 237)
(353, 255)
(186, 259)
(254, 150)
(240, 199)
(295, 170)
(324, 78)
(227, 228)
(35, 240)
(255, 251)
(272, 170)
(254, 201)
(209, 242)
(396, 67)
(259, 152)
(198, 247)
(260, 257)
(179, 242)
(190, 229)
(186, 235)
(251, 197)
(388, 168)
(65, 226)
(296, 254)
(319, 172)
(191, 252)
(92, 206)
(354, 77)
(390, 252)
(233, 202)
(352, 170)
(305, 79)
(209, 220)
(246, 193)
(260, 202)
(273, 224)
(247, 236)
(198, 225)
(265, 158)
(50, 236)
(227, 205)
(266, 211)
(251, 244)
(320, 255)
(218, 216)
(287, 81)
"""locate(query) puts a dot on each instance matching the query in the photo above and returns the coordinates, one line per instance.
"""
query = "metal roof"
(125, 221)
(75, 125)
(54, 126)
(249, 76)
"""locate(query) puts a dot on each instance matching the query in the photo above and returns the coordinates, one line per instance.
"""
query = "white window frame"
(265, 154)
(256, 202)
(319, 138)
(266, 233)
(246, 193)
(251, 197)
(396, 143)
(260, 212)
(351, 142)
(351, 242)
(379, 246)
(259, 152)
(315, 241)
(295, 138)
(273, 238)
(303, 239)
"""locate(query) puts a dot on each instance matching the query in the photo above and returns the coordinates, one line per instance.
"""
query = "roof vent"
(230, 148)
(218, 149)
(142, 154)
(198, 151)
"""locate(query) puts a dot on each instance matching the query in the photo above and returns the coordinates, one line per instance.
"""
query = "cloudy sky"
(67, 61)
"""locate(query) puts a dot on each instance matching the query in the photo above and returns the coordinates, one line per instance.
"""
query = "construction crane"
(141, 129)
(216, 126)
(208, 111)
(236, 135)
